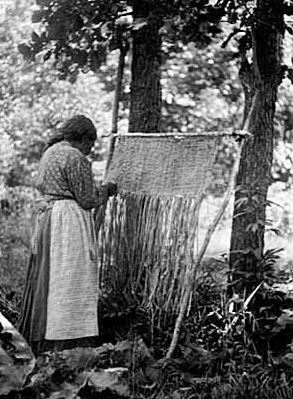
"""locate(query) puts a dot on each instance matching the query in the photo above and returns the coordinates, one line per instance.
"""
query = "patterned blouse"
(64, 172)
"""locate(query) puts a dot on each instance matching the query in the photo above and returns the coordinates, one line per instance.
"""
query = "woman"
(59, 308)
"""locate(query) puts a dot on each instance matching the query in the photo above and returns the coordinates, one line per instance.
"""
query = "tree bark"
(145, 103)
(260, 78)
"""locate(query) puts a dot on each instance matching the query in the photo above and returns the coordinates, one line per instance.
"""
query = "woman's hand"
(111, 188)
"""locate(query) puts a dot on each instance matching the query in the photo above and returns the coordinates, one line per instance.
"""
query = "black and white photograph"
(146, 199)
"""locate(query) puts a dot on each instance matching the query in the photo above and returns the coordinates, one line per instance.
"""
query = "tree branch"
(232, 34)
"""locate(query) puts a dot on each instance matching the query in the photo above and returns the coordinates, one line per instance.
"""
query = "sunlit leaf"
(112, 379)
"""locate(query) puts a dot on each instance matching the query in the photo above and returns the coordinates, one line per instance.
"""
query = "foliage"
(251, 265)
(121, 317)
(238, 347)
(16, 358)
(282, 166)
(229, 352)
(75, 373)
(227, 347)
(223, 348)
(198, 93)
(15, 218)
(77, 36)
(34, 102)
(201, 91)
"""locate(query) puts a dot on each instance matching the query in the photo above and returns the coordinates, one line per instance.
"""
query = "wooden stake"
(115, 114)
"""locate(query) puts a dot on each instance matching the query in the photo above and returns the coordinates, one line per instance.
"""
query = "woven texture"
(165, 166)
(148, 237)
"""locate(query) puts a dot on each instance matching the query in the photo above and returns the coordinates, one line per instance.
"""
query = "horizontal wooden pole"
(236, 133)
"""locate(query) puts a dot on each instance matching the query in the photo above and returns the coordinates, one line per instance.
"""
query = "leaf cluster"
(77, 35)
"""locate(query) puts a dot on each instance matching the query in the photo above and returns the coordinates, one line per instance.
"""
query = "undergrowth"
(229, 347)
(236, 346)
(15, 216)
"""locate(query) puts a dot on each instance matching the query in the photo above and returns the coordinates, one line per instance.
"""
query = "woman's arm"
(81, 182)
(82, 185)
(105, 191)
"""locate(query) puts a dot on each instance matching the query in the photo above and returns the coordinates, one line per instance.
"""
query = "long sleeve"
(65, 172)
(81, 183)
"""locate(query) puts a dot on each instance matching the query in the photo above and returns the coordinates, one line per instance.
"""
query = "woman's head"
(79, 131)
(78, 128)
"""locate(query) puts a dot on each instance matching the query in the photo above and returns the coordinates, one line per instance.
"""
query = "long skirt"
(59, 307)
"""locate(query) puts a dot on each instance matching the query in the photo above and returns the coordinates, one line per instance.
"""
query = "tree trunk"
(260, 78)
(145, 103)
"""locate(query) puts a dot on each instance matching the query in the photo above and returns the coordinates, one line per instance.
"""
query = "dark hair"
(74, 129)
(78, 127)
(53, 140)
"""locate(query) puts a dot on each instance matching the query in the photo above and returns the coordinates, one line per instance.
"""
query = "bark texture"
(145, 103)
(145, 100)
(261, 79)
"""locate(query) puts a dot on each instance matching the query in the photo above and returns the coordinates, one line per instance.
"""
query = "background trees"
(34, 101)
(191, 81)
(77, 37)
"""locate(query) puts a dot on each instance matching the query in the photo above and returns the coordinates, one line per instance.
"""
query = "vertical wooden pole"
(117, 98)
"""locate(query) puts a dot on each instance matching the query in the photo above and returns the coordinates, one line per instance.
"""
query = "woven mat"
(166, 165)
